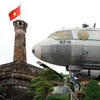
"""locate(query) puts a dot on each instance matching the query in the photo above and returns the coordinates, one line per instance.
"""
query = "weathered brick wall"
(18, 73)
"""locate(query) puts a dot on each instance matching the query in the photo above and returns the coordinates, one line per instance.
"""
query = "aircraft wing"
(45, 66)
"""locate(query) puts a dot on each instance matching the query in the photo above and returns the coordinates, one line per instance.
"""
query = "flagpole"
(20, 10)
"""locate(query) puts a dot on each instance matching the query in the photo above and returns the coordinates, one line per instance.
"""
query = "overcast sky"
(43, 18)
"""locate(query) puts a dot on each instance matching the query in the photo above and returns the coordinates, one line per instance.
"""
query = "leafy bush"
(38, 97)
(92, 90)
(57, 97)
(53, 97)
(42, 85)
(64, 97)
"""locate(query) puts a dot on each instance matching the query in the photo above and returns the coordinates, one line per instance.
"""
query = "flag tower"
(20, 41)
(20, 31)
(15, 77)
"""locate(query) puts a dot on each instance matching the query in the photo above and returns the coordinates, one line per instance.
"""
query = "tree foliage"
(64, 75)
(42, 85)
(53, 97)
(92, 90)
(57, 97)
(64, 97)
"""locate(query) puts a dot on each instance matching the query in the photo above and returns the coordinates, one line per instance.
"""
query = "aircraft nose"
(36, 50)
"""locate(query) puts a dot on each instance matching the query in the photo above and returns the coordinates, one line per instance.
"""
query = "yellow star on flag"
(14, 14)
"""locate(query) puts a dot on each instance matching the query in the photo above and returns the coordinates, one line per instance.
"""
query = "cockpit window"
(66, 34)
(51, 35)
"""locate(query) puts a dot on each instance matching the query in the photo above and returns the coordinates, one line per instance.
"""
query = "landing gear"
(75, 86)
(74, 72)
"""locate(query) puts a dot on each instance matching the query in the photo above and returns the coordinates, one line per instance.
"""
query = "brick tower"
(15, 77)
(20, 41)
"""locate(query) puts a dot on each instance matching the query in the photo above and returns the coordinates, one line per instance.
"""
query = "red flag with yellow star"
(14, 13)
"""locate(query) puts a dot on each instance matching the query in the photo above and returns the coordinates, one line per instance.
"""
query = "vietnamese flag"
(14, 13)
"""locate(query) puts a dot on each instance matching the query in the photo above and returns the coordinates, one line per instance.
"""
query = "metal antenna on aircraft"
(85, 25)
(94, 25)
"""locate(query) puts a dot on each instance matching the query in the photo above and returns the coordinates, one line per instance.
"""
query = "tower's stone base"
(15, 78)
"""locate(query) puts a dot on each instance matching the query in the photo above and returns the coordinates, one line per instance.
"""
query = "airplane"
(78, 49)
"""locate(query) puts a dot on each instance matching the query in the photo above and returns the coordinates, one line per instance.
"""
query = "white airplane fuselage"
(71, 47)
(77, 52)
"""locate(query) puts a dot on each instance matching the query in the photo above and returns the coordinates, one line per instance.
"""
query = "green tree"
(58, 97)
(42, 85)
(64, 75)
(64, 97)
(92, 90)
(53, 97)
